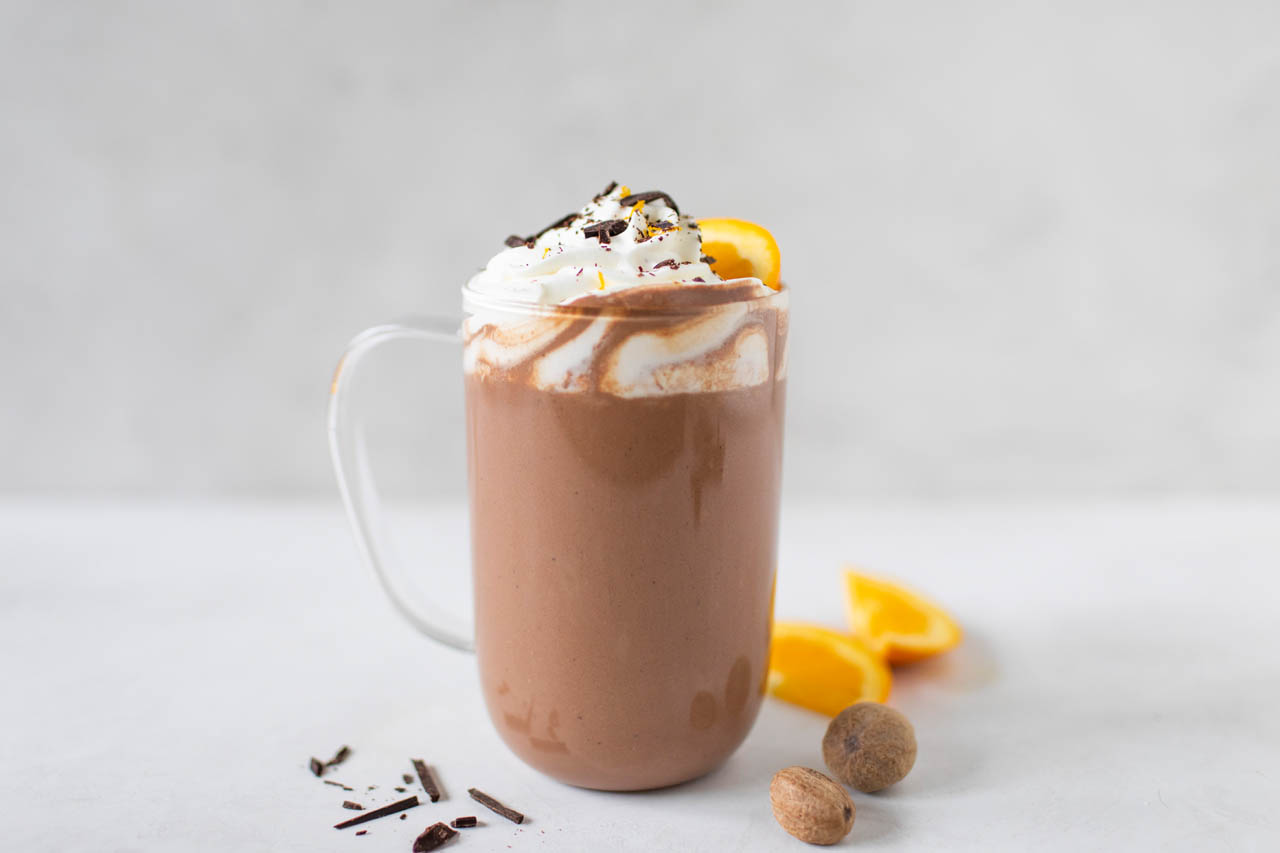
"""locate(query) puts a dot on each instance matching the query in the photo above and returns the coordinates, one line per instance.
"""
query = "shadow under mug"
(624, 465)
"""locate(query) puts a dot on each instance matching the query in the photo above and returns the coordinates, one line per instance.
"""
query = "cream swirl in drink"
(628, 253)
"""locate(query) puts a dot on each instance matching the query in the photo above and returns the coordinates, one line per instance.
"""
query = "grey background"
(1035, 249)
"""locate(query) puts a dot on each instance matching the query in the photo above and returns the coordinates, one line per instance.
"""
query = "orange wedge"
(899, 625)
(741, 250)
(824, 670)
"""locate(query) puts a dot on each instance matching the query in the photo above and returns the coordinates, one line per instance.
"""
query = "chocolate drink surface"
(624, 555)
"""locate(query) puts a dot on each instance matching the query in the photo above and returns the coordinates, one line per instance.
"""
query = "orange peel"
(741, 249)
(897, 623)
(824, 670)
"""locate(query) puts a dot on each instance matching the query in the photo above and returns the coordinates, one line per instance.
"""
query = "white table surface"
(169, 670)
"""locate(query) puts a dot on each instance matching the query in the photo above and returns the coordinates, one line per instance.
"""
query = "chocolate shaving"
(428, 781)
(613, 185)
(562, 222)
(494, 806)
(516, 240)
(463, 822)
(699, 279)
(707, 259)
(669, 262)
(398, 788)
(652, 195)
(408, 780)
(604, 230)
(381, 811)
(318, 767)
(404, 817)
(362, 832)
(347, 804)
(432, 838)
(663, 225)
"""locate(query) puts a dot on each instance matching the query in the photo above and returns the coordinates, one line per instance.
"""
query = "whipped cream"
(618, 240)
(623, 249)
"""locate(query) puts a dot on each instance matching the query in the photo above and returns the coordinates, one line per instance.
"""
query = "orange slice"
(899, 625)
(741, 250)
(824, 670)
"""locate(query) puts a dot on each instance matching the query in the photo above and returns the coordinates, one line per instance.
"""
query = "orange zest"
(824, 670)
(741, 250)
(896, 623)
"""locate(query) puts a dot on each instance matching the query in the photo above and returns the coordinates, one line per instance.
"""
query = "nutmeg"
(811, 805)
(869, 746)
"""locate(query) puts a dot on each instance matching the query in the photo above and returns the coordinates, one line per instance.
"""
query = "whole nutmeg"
(811, 805)
(869, 746)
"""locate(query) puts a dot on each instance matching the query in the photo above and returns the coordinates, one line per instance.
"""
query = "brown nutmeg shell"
(869, 746)
(811, 805)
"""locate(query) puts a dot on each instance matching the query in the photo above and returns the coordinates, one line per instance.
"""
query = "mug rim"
(473, 299)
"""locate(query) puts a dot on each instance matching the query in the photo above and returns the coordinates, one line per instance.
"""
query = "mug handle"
(355, 479)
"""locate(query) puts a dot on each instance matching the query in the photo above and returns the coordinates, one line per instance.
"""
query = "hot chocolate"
(624, 430)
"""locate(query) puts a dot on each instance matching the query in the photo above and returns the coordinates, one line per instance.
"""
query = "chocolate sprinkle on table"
(362, 832)
(494, 806)
(428, 781)
(338, 757)
(317, 767)
(408, 780)
(604, 230)
(652, 195)
(381, 811)
(347, 804)
(463, 822)
(432, 838)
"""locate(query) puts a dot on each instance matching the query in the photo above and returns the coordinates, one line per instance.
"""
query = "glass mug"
(623, 462)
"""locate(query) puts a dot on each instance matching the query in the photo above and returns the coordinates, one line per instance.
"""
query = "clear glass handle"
(355, 479)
